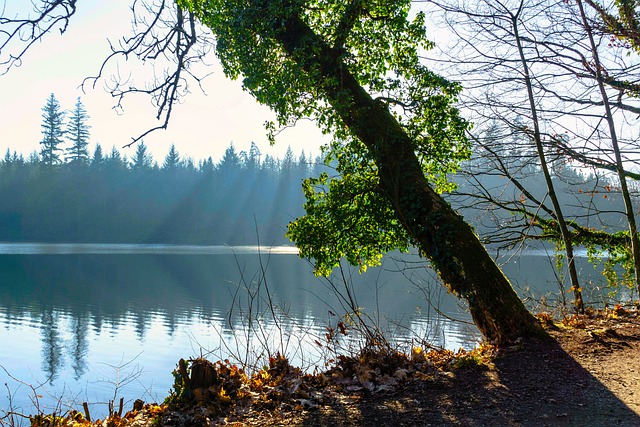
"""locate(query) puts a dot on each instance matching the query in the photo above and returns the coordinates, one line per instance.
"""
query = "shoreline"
(589, 375)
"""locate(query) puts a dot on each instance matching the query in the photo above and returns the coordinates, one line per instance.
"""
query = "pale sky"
(202, 126)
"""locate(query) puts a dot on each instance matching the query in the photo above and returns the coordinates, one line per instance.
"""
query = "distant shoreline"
(36, 248)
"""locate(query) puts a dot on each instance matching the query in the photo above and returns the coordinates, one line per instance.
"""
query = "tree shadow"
(540, 385)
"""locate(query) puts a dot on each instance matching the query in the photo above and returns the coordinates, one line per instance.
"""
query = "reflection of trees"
(141, 323)
(79, 297)
(52, 359)
(53, 343)
(80, 345)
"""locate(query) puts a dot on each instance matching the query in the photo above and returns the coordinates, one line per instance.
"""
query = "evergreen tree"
(189, 164)
(230, 160)
(52, 119)
(114, 160)
(78, 135)
(97, 161)
(17, 159)
(287, 164)
(303, 166)
(34, 158)
(7, 157)
(253, 161)
(270, 166)
(12, 161)
(172, 160)
(142, 160)
(206, 166)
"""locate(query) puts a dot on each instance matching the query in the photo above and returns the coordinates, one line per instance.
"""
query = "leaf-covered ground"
(588, 376)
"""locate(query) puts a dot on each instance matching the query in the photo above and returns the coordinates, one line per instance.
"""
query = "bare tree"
(18, 33)
(501, 25)
(557, 210)
(562, 90)
(168, 37)
(613, 134)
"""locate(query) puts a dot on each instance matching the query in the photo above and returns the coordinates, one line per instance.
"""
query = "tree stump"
(203, 374)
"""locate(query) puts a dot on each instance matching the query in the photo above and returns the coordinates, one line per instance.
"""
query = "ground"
(587, 375)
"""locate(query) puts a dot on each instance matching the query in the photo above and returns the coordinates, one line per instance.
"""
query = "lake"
(93, 323)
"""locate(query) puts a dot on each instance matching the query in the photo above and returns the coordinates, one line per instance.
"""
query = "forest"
(66, 194)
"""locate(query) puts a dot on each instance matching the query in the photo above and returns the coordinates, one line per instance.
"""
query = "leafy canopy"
(379, 41)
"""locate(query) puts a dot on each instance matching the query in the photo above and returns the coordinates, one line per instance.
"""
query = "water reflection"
(70, 318)
(51, 343)
(80, 345)
(73, 319)
(139, 249)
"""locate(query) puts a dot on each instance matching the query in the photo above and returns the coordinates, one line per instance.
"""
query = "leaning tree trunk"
(439, 232)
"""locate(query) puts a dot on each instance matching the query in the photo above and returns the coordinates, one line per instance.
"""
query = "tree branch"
(347, 21)
(170, 35)
(28, 31)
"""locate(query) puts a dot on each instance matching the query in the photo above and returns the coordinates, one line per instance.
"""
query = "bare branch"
(17, 35)
(165, 38)
(163, 32)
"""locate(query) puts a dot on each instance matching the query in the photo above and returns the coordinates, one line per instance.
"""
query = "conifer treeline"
(110, 199)
(106, 197)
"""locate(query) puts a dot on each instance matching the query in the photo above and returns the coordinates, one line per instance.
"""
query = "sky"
(203, 125)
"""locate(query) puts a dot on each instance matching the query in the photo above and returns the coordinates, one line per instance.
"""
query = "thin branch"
(28, 31)
(171, 34)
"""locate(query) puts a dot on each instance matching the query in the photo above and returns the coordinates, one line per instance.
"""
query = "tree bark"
(437, 230)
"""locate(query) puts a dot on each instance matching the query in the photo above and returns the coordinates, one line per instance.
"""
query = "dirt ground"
(588, 376)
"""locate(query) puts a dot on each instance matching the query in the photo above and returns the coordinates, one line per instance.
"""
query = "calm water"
(87, 323)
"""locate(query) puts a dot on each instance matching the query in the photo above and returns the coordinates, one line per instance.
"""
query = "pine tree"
(52, 119)
(7, 157)
(34, 158)
(253, 161)
(172, 160)
(270, 166)
(303, 166)
(142, 160)
(287, 164)
(97, 161)
(230, 163)
(115, 161)
(78, 135)
(206, 166)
